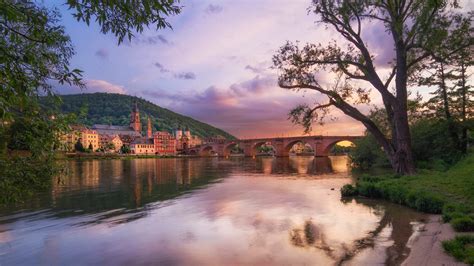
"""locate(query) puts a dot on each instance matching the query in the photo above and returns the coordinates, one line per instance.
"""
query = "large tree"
(415, 28)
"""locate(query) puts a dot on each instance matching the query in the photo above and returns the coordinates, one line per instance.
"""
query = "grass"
(450, 193)
(461, 247)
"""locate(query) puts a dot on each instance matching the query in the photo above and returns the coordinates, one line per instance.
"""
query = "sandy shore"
(425, 244)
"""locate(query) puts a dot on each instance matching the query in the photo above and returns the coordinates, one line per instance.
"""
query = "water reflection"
(203, 211)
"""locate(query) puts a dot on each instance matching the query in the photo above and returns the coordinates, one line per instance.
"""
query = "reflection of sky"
(245, 218)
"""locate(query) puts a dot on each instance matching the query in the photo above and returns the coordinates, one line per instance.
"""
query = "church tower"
(135, 119)
(187, 132)
(178, 133)
(149, 132)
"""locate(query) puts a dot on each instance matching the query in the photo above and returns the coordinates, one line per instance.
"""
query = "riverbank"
(426, 244)
(450, 193)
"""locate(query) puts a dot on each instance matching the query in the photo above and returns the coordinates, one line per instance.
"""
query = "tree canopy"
(417, 28)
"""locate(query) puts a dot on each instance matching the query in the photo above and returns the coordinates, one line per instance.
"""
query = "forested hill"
(114, 109)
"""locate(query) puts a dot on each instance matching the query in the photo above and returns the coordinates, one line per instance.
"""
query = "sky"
(215, 65)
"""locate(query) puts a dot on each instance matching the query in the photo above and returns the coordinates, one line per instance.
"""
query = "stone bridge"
(321, 145)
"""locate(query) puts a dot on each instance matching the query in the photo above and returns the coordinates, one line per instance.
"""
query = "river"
(205, 211)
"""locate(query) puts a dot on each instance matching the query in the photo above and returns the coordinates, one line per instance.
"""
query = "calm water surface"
(205, 211)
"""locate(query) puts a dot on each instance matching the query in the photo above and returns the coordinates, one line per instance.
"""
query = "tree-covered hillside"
(114, 109)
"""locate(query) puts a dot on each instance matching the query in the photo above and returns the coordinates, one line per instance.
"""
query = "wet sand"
(426, 247)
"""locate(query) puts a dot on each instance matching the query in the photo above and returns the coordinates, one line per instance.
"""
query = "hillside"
(111, 108)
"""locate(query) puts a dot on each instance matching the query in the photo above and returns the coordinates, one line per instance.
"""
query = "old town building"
(108, 136)
(87, 137)
(113, 142)
(165, 143)
(185, 140)
(142, 146)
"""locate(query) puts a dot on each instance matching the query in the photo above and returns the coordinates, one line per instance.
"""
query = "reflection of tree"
(116, 188)
(310, 236)
(398, 218)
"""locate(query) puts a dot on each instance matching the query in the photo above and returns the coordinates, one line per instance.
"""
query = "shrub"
(463, 224)
(452, 211)
(368, 189)
(367, 153)
(394, 193)
(428, 203)
(461, 247)
(348, 190)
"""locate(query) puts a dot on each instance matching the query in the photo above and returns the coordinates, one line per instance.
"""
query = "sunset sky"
(215, 65)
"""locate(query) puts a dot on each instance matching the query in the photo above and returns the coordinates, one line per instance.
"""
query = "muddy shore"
(425, 244)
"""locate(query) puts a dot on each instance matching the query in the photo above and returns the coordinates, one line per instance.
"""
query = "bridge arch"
(330, 144)
(292, 143)
(206, 150)
(228, 148)
(258, 144)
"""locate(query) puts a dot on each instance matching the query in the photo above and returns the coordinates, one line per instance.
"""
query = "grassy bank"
(450, 193)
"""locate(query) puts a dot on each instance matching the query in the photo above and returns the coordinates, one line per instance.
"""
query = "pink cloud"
(253, 108)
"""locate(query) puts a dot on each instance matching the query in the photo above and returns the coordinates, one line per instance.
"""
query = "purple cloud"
(185, 75)
(213, 9)
(161, 68)
(102, 53)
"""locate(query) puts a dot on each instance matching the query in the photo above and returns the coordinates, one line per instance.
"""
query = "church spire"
(135, 119)
(149, 132)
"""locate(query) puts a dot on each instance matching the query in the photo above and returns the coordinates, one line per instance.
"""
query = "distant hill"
(111, 108)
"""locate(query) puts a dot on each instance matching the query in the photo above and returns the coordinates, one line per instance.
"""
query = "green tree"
(78, 146)
(414, 34)
(448, 72)
(125, 149)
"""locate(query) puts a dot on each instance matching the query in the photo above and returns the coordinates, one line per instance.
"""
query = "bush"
(431, 143)
(367, 153)
(461, 247)
(463, 224)
(369, 189)
(452, 211)
(428, 203)
(348, 190)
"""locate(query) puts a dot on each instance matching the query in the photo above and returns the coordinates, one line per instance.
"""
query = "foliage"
(110, 108)
(463, 223)
(23, 176)
(450, 192)
(78, 146)
(348, 190)
(461, 247)
(125, 149)
(265, 149)
(431, 142)
(35, 55)
(367, 153)
(35, 51)
(416, 27)
(340, 150)
(123, 18)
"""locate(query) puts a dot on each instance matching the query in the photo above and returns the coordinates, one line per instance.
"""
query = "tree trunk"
(402, 161)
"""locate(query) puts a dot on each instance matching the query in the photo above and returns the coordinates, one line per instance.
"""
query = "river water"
(205, 211)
